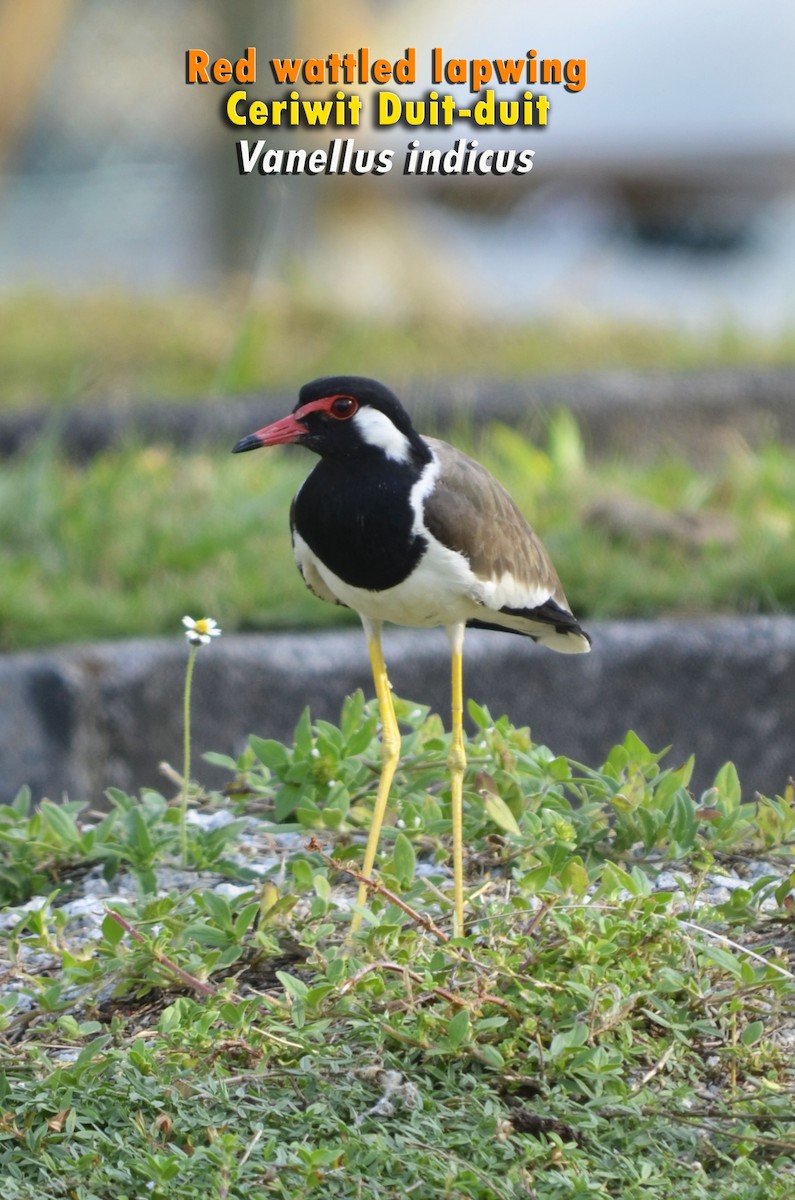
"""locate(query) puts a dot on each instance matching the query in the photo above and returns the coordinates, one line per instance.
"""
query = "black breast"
(357, 520)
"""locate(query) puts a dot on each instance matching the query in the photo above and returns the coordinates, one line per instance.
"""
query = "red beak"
(287, 430)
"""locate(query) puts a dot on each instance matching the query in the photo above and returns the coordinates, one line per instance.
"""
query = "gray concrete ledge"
(618, 411)
(78, 719)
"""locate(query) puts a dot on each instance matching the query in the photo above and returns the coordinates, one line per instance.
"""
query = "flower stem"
(183, 825)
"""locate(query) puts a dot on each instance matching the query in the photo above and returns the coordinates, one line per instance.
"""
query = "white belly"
(438, 592)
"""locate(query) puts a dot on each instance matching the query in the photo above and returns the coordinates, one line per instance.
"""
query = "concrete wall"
(79, 719)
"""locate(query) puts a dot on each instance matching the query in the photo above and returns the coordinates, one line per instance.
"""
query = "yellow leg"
(390, 749)
(456, 763)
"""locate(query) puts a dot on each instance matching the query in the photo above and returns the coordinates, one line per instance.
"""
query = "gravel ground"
(266, 854)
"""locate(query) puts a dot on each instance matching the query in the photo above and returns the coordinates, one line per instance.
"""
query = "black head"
(342, 416)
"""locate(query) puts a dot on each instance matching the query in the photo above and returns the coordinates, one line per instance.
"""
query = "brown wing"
(471, 513)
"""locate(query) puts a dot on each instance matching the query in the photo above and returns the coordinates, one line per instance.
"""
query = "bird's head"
(343, 416)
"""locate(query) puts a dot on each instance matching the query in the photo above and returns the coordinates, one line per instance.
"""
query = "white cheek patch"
(376, 429)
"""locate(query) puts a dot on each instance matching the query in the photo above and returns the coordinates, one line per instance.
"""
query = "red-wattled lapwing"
(407, 529)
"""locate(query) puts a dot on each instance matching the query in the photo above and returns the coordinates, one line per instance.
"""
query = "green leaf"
(409, 713)
(404, 860)
(60, 823)
(282, 906)
(220, 760)
(500, 813)
(352, 713)
(574, 877)
(615, 879)
(272, 754)
(322, 886)
(360, 740)
(636, 749)
(569, 1039)
(481, 716)
(486, 1024)
(335, 970)
(286, 801)
(170, 1019)
(112, 931)
(245, 918)
(784, 888)
(206, 935)
(457, 1029)
(138, 833)
(303, 734)
(147, 879)
(728, 784)
(120, 798)
(99, 834)
(295, 988)
(537, 878)
(69, 1025)
(722, 958)
(752, 1032)
(685, 772)
(21, 803)
(560, 769)
(684, 826)
(303, 872)
(92, 1050)
(641, 881)
(218, 908)
(317, 994)
(310, 817)
(491, 1055)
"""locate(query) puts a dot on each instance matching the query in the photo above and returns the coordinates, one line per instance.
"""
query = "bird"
(409, 530)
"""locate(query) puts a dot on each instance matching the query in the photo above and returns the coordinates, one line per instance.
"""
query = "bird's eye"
(342, 407)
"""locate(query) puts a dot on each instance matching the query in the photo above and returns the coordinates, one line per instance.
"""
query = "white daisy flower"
(201, 632)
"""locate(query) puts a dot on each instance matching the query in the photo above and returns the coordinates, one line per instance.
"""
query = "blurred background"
(140, 271)
(662, 192)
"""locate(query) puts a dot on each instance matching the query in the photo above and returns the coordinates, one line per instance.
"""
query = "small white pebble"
(68, 1055)
(230, 891)
(668, 881)
(209, 821)
(727, 882)
(11, 916)
(83, 906)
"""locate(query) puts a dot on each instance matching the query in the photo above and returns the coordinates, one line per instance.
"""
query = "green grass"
(128, 543)
(113, 348)
(587, 1038)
